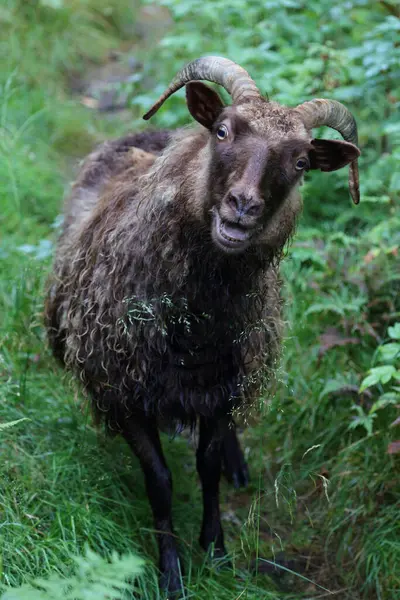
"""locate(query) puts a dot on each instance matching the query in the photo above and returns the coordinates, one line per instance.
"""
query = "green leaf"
(362, 420)
(394, 332)
(387, 399)
(4, 426)
(378, 199)
(55, 4)
(333, 385)
(322, 307)
(304, 254)
(394, 185)
(389, 352)
(378, 375)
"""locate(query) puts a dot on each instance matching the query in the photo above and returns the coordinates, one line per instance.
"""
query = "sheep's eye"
(222, 132)
(302, 163)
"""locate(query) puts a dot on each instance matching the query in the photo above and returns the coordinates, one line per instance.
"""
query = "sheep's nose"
(244, 205)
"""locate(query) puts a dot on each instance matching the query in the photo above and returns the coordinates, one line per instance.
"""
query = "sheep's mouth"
(231, 237)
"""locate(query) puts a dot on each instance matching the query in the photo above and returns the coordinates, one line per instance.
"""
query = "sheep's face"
(254, 170)
(259, 152)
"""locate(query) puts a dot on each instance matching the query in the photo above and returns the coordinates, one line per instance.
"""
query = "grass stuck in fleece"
(324, 489)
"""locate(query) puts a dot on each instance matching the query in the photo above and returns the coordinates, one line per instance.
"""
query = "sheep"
(165, 294)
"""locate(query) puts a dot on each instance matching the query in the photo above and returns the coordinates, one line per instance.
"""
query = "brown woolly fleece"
(142, 305)
(165, 292)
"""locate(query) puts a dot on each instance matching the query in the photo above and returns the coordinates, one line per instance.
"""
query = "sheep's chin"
(229, 237)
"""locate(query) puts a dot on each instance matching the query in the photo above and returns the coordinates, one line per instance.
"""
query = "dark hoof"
(172, 584)
(218, 558)
(216, 554)
(212, 538)
(234, 466)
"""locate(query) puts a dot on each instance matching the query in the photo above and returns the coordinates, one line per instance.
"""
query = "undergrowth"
(324, 455)
(95, 577)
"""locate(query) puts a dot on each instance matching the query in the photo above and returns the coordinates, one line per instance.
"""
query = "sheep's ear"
(329, 155)
(203, 103)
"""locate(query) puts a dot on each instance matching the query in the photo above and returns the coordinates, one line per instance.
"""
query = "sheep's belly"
(182, 385)
(181, 393)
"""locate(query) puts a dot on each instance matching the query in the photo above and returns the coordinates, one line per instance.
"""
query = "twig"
(391, 8)
(329, 594)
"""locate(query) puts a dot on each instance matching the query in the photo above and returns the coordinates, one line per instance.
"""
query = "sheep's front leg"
(209, 469)
(235, 468)
(143, 437)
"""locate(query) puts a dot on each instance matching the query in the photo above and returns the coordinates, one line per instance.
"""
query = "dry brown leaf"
(370, 256)
(394, 447)
(333, 338)
(89, 102)
(395, 422)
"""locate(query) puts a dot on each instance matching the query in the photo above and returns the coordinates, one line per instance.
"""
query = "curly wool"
(147, 311)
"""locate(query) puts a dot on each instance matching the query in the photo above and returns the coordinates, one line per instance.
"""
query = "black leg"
(143, 437)
(234, 466)
(209, 468)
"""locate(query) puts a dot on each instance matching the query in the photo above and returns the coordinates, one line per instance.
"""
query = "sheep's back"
(132, 154)
(129, 157)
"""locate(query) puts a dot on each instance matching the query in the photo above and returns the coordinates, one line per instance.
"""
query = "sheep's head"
(259, 152)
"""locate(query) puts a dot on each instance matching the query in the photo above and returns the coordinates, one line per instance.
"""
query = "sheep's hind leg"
(234, 466)
(142, 435)
(209, 469)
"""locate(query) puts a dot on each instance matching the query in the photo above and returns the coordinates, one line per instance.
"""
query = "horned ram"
(165, 293)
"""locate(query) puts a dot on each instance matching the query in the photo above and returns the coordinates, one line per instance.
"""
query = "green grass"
(323, 491)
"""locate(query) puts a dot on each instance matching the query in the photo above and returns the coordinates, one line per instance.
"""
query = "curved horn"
(223, 71)
(333, 114)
